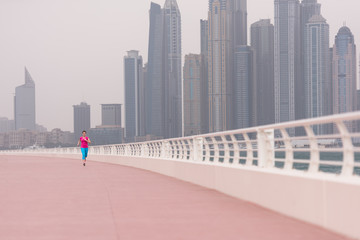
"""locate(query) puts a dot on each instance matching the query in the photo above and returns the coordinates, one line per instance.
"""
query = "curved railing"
(328, 144)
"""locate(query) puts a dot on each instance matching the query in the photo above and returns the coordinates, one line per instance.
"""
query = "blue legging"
(84, 152)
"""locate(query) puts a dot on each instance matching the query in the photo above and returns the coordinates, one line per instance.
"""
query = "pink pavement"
(58, 199)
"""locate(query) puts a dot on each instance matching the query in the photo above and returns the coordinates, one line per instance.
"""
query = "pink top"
(84, 144)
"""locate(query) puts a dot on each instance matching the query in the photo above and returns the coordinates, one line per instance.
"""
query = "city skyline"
(73, 83)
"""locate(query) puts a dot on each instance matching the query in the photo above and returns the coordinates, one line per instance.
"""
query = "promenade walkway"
(59, 199)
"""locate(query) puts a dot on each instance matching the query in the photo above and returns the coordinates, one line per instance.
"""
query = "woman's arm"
(89, 141)
(78, 142)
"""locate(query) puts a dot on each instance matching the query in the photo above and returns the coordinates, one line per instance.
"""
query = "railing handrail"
(255, 146)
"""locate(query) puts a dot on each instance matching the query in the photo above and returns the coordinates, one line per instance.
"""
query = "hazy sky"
(74, 49)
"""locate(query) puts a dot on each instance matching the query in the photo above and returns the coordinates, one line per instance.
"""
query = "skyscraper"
(262, 42)
(133, 66)
(317, 69)
(204, 44)
(287, 59)
(81, 118)
(173, 79)
(192, 95)
(24, 104)
(143, 97)
(155, 95)
(220, 60)
(164, 82)
(344, 72)
(244, 89)
(308, 9)
(111, 114)
(239, 22)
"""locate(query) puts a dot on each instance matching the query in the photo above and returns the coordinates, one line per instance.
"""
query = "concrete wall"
(325, 200)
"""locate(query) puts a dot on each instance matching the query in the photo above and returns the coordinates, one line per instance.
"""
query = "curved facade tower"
(24, 103)
(344, 72)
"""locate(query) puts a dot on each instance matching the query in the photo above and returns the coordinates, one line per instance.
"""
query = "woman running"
(84, 141)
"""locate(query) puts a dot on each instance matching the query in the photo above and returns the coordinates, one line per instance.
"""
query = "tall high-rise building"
(329, 106)
(143, 97)
(262, 42)
(308, 9)
(287, 60)
(111, 115)
(239, 22)
(133, 76)
(164, 81)
(220, 61)
(204, 37)
(155, 95)
(204, 44)
(81, 118)
(24, 104)
(244, 89)
(344, 72)
(192, 95)
(173, 74)
(317, 69)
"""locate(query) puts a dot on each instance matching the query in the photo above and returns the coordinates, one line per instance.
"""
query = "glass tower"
(220, 58)
(192, 95)
(155, 97)
(173, 73)
(24, 104)
(164, 77)
(133, 66)
(344, 72)
(262, 42)
(317, 69)
(287, 66)
(244, 89)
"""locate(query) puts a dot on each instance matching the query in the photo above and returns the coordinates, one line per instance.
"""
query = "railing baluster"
(348, 150)
(314, 150)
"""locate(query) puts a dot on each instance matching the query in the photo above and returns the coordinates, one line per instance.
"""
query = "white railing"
(272, 146)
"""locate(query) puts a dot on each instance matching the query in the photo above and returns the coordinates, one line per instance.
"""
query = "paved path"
(58, 199)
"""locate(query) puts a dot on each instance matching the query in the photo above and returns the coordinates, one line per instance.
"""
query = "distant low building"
(6, 125)
(21, 139)
(147, 138)
(106, 135)
(61, 138)
(40, 128)
(111, 114)
(81, 118)
(42, 138)
(4, 141)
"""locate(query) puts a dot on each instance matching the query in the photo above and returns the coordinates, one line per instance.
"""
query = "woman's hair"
(84, 131)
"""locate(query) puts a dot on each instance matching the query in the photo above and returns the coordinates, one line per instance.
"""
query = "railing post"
(289, 152)
(165, 149)
(126, 151)
(265, 141)
(249, 150)
(315, 153)
(197, 149)
(348, 150)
